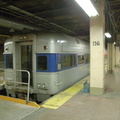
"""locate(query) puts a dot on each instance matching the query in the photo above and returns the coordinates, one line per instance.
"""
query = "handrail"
(17, 70)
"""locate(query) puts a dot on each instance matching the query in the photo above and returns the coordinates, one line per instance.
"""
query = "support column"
(117, 56)
(97, 71)
(111, 58)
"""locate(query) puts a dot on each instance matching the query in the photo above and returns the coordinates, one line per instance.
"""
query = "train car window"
(60, 63)
(42, 63)
(81, 59)
(9, 61)
(69, 61)
(87, 58)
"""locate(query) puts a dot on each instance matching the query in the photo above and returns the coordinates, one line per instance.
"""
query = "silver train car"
(54, 61)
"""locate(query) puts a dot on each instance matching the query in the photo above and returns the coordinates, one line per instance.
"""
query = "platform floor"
(81, 106)
(14, 111)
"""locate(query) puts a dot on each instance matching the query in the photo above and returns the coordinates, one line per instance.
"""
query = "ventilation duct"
(16, 26)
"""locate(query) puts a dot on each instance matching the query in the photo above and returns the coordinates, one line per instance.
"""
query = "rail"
(15, 82)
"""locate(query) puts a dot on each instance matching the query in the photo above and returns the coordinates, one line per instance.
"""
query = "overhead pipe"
(38, 18)
(15, 25)
(112, 20)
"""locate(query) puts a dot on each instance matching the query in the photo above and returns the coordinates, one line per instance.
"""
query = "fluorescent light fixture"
(88, 7)
(108, 35)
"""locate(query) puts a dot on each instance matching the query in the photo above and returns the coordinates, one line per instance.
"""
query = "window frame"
(86, 59)
(37, 55)
(78, 61)
(51, 62)
(5, 61)
(62, 62)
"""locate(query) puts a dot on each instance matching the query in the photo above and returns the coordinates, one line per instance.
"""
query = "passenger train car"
(54, 61)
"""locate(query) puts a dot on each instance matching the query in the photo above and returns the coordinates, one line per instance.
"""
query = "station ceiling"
(64, 16)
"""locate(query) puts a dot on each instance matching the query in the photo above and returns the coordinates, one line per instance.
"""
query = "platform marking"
(16, 100)
(59, 99)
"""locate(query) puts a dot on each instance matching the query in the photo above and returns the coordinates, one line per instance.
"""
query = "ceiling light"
(88, 7)
(108, 35)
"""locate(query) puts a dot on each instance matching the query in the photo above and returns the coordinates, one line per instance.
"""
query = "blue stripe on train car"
(52, 62)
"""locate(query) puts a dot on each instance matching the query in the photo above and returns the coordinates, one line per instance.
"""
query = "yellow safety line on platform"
(33, 104)
(59, 99)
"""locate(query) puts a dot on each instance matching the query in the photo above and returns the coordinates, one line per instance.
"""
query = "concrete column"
(97, 71)
(111, 58)
(117, 56)
(114, 56)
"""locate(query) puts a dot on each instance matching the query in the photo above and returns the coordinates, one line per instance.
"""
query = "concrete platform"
(81, 106)
(84, 106)
(14, 111)
(62, 97)
(17, 111)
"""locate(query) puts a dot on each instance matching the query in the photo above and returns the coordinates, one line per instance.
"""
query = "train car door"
(24, 60)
